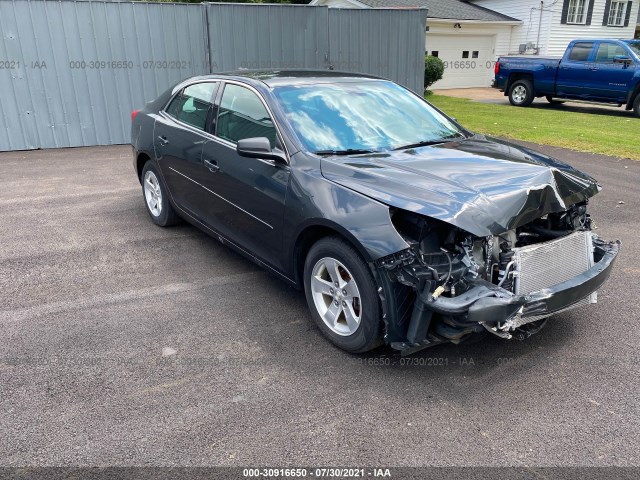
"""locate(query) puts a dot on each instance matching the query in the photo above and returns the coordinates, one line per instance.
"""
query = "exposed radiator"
(546, 264)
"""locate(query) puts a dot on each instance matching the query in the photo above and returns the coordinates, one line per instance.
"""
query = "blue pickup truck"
(604, 71)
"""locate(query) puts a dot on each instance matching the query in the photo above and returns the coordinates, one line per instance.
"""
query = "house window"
(577, 12)
(475, 54)
(435, 53)
(465, 54)
(616, 14)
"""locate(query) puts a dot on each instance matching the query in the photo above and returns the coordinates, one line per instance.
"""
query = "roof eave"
(476, 22)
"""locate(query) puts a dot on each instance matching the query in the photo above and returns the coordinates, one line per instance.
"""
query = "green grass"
(614, 134)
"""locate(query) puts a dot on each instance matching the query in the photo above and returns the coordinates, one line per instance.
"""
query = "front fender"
(314, 201)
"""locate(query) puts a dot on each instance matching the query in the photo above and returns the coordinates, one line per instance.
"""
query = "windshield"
(361, 116)
(635, 46)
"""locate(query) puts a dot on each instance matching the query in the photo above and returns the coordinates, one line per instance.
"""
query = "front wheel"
(636, 105)
(521, 93)
(342, 296)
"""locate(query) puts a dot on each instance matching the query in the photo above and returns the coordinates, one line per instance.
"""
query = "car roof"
(626, 40)
(273, 78)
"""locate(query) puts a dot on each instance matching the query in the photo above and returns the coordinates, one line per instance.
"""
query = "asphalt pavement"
(122, 343)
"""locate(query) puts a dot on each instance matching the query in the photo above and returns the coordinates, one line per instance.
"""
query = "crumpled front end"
(450, 284)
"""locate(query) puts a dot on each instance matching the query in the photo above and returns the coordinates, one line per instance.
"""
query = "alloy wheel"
(152, 193)
(519, 94)
(336, 296)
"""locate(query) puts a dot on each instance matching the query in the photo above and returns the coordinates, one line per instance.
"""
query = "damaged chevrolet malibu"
(401, 226)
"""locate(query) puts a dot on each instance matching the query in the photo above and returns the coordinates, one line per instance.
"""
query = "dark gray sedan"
(400, 225)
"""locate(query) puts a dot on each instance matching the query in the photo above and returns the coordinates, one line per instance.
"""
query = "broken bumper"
(493, 306)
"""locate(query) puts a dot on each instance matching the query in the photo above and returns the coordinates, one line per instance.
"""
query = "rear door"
(252, 190)
(574, 79)
(612, 80)
(179, 136)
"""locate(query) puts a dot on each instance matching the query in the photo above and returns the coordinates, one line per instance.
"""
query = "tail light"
(133, 114)
(496, 68)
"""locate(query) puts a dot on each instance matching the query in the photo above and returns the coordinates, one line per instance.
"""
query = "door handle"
(212, 165)
(163, 140)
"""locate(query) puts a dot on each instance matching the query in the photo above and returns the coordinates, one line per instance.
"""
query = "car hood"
(484, 186)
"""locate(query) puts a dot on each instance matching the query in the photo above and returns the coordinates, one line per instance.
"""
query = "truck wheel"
(553, 101)
(636, 105)
(521, 93)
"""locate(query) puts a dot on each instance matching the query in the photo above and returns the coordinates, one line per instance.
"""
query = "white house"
(548, 26)
(470, 35)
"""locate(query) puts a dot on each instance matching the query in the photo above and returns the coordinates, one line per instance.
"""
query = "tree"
(433, 70)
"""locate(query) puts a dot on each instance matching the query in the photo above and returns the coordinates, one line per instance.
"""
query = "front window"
(362, 116)
(617, 14)
(577, 12)
(243, 115)
(607, 52)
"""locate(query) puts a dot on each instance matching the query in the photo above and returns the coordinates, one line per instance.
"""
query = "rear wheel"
(521, 93)
(156, 197)
(636, 105)
(342, 296)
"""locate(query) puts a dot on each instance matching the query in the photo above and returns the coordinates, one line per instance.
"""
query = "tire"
(521, 93)
(636, 105)
(156, 197)
(354, 324)
(552, 101)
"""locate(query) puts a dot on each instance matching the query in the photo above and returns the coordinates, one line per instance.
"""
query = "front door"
(178, 141)
(252, 190)
(612, 80)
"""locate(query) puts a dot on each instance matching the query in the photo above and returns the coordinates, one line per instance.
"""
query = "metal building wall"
(52, 99)
(387, 43)
(259, 36)
(379, 42)
(72, 71)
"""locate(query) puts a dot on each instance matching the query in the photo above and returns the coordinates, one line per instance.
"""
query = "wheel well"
(142, 159)
(514, 77)
(632, 97)
(307, 238)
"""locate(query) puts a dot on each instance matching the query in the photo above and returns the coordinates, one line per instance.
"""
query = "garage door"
(468, 59)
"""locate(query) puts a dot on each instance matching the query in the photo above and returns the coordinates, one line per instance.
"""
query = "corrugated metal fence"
(72, 71)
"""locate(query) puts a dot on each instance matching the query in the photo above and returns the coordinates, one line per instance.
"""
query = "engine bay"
(447, 273)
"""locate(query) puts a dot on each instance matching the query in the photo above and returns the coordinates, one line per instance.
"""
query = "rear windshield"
(370, 115)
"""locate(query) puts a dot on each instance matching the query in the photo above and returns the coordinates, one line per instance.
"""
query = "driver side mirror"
(259, 147)
(622, 59)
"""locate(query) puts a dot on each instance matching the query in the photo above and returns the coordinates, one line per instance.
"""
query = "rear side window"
(608, 51)
(580, 52)
(193, 104)
(243, 115)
